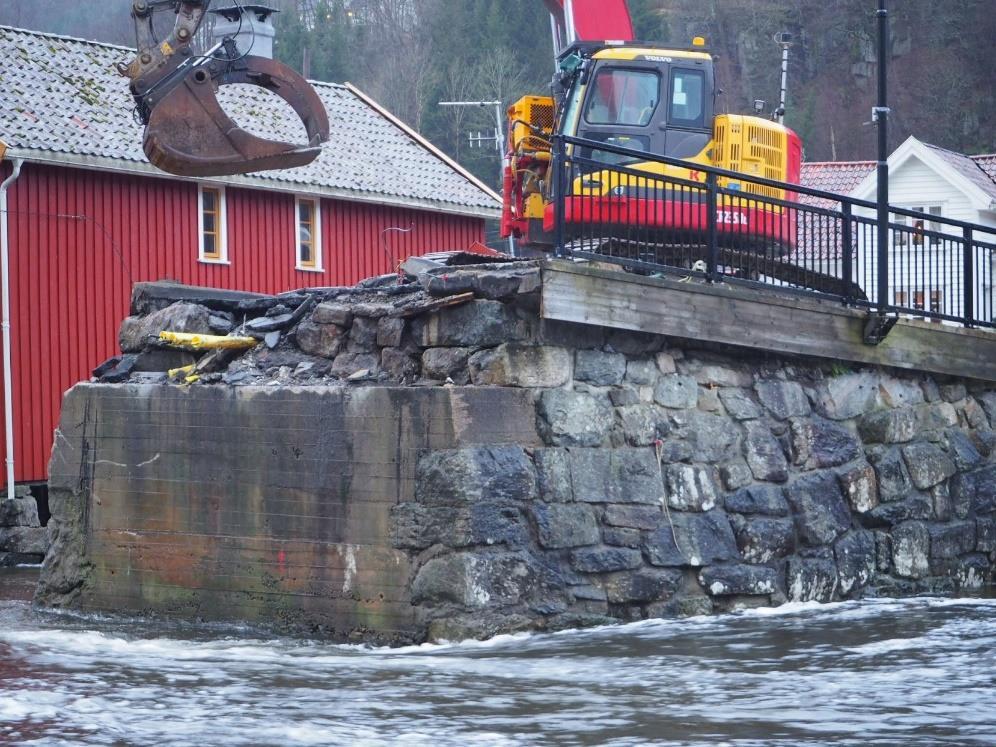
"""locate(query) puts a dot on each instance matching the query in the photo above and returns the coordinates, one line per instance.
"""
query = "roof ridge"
(835, 163)
(66, 37)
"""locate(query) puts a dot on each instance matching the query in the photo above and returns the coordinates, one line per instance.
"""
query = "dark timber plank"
(757, 319)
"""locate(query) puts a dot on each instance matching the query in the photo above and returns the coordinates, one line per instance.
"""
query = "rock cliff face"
(561, 475)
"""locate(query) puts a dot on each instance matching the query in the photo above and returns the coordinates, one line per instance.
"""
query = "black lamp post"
(881, 116)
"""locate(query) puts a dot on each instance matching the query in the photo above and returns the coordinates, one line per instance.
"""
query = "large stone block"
(24, 540)
(713, 438)
(888, 426)
(574, 418)
(599, 368)
(553, 474)
(917, 506)
(762, 539)
(641, 424)
(936, 416)
(899, 392)
(951, 539)
(985, 534)
(644, 585)
(911, 550)
(616, 476)
(606, 559)
(849, 396)
(332, 313)
(855, 553)
(641, 372)
(416, 527)
(764, 454)
(690, 488)
(783, 399)
(454, 477)
(820, 512)
(818, 443)
(323, 340)
(513, 364)
(973, 572)
(446, 363)
(562, 525)
(811, 579)
(860, 487)
(178, 317)
(962, 450)
(927, 464)
(676, 391)
(19, 512)
(474, 581)
(890, 473)
(988, 402)
(735, 474)
(702, 539)
(478, 323)
(768, 500)
(633, 516)
(739, 404)
(751, 580)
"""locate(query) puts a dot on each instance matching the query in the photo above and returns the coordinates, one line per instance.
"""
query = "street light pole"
(881, 115)
(499, 138)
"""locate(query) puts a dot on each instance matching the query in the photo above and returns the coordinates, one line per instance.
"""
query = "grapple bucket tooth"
(189, 134)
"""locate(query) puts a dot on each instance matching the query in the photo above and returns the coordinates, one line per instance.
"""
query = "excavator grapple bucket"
(189, 134)
(176, 96)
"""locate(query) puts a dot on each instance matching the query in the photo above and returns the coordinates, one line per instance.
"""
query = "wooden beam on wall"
(758, 319)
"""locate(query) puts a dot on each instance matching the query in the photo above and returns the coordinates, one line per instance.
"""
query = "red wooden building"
(88, 216)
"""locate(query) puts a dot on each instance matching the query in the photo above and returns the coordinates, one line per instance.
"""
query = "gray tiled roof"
(967, 168)
(64, 96)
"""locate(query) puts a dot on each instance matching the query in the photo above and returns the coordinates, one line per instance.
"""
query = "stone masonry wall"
(669, 477)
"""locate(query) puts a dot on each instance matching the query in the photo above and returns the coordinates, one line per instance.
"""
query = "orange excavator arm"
(175, 91)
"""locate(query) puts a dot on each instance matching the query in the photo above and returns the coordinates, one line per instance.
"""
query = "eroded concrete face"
(251, 503)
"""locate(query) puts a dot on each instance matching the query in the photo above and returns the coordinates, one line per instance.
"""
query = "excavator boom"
(175, 90)
(589, 20)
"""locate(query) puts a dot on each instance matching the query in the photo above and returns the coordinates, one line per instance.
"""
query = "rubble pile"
(385, 330)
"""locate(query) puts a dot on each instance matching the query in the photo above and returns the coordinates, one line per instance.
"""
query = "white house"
(926, 269)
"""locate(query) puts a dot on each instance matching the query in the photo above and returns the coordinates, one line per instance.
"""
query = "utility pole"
(785, 40)
(498, 138)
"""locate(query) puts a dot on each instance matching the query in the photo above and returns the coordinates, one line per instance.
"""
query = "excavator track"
(647, 258)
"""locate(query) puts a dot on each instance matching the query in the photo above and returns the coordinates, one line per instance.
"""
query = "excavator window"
(623, 97)
(687, 107)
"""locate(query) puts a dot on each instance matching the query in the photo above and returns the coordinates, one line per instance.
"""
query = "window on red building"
(213, 239)
(309, 234)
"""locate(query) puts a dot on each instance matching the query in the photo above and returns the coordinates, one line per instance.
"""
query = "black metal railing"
(631, 208)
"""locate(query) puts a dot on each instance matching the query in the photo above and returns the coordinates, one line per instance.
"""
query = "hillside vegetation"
(411, 54)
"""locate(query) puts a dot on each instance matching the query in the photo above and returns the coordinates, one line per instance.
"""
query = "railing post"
(846, 241)
(559, 191)
(712, 247)
(968, 276)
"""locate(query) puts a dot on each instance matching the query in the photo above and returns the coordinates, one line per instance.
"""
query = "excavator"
(608, 89)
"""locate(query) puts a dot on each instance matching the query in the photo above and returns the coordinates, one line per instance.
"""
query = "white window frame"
(222, 258)
(316, 238)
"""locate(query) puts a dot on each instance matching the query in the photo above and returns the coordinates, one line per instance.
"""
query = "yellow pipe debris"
(192, 341)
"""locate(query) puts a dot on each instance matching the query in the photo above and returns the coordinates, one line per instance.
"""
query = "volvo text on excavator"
(611, 90)
(187, 132)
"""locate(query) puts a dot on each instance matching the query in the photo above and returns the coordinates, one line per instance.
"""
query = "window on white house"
(213, 239)
(309, 234)
(916, 236)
